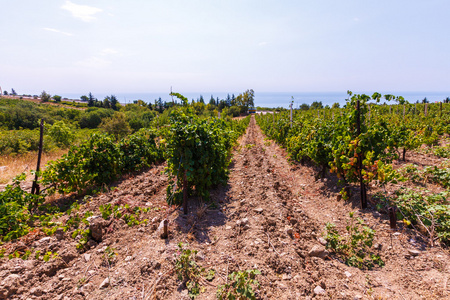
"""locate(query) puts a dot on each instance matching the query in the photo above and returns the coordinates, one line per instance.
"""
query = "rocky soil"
(271, 216)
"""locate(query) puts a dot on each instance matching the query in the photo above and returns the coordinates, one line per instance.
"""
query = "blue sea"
(266, 99)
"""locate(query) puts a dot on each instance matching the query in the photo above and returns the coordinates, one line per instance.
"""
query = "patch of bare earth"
(268, 217)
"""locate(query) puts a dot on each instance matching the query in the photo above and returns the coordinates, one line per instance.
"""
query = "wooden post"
(35, 186)
(360, 159)
(392, 218)
(291, 114)
(185, 193)
(165, 233)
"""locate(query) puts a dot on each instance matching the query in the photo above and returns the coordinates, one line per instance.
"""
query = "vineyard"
(335, 203)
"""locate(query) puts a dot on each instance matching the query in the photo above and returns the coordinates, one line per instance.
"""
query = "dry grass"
(16, 164)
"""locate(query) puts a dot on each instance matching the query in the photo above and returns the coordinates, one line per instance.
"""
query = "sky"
(148, 46)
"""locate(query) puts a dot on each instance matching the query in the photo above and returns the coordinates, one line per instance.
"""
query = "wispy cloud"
(58, 31)
(108, 51)
(100, 60)
(356, 19)
(94, 62)
(262, 44)
(83, 12)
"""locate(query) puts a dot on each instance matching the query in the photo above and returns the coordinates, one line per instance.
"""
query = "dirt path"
(268, 217)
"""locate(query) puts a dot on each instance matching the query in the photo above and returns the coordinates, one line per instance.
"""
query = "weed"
(241, 285)
(355, 246)
(430, 211)
(109, 256)
(84, 234)
(188, 271)
(26, 255)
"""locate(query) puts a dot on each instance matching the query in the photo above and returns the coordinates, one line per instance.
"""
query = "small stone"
(104, 284)
(36, 291)
(322, 241)
(396, 233)
(246, 227)
(87, 257)
(319, 290)
(348, 274)
(357, 297)
(141, 229)
(65, 279)
(271, 222)
(91, 243)
(102, 249)
(59, 234)
(318, 251)
(91, 272)
(378, 246)
(413, 252)
(200, 255)
(258, 210)
(228, 227)
(244, 221)
(44, 240)
(128, 258)
(289, 230)
(156, 220)
(286, 277)
(96, 228)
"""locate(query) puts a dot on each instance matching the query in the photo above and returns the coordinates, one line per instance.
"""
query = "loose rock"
(322, 241)
(413, 252)
(318, 251)
(319, 290)
(104, 284)
(96, 228)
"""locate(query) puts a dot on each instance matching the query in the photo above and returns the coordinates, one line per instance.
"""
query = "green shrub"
(99, 160)
(61, 134)
(355, 246)
(15, 207)
(430, 211)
